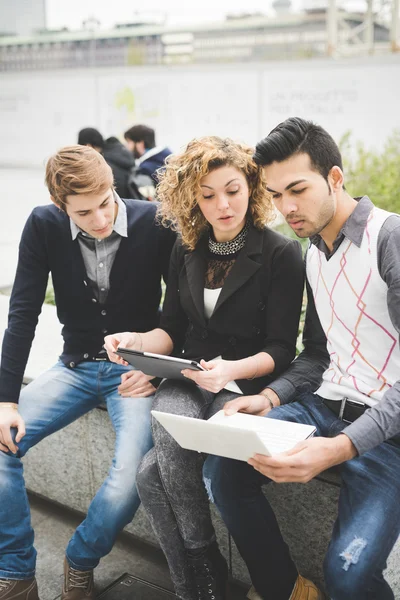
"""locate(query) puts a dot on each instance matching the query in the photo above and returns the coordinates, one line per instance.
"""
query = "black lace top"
(218, 269)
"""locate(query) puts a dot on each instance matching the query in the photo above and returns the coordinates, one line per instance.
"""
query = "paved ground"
(53, 528)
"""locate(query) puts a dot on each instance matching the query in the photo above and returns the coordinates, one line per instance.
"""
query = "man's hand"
(306, 460)
(253, 405)
(10, 417)
(216, 375)
(135, 384)
(125, 339)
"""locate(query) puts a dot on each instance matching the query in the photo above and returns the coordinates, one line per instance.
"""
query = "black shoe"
(210, 573)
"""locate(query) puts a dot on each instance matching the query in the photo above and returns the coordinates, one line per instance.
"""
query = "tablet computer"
(158, 365)
(239, 436)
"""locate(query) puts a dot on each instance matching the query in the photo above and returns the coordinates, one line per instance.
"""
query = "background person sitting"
(141, 141)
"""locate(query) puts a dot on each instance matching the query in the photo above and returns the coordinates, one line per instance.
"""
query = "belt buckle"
(342, 407)
(347, 402)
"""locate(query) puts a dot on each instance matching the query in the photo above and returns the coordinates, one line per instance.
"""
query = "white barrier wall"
(40, 112)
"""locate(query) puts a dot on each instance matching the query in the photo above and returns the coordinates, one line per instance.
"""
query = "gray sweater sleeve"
(383, 420)
(305, 372)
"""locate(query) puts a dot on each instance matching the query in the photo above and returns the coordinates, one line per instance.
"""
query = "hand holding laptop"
(306, 459)
(257, 404)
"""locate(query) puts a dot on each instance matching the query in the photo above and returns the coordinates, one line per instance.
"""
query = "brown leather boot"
(303, 590)
(306, 590)
(78, 585)
(18, 589)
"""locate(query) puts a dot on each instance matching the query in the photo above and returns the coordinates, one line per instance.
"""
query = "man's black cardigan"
(132, 305)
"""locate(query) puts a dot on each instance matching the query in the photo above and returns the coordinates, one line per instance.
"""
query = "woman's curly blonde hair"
(179, 185)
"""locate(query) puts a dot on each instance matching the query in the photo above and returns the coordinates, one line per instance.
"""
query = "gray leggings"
(170, 482)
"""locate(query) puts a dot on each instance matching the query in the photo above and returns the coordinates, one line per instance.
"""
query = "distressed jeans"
(364, 533)
(55, 399)
(170, 481)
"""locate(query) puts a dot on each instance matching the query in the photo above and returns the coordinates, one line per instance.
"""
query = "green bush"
(49, 297)
(372, 173)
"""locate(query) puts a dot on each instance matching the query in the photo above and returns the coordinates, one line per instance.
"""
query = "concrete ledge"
(69, 466)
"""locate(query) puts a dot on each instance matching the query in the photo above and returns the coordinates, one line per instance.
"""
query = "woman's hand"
(135, 384)
(216, 375)
(253, 405)
(125, 339)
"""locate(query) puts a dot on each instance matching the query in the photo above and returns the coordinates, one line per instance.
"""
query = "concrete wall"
(40, 112)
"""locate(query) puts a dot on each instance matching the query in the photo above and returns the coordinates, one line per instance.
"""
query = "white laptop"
(237, 436)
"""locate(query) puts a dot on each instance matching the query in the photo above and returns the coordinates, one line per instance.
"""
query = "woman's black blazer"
(258, 308)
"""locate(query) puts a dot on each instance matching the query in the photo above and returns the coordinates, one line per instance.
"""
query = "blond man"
(106, 257)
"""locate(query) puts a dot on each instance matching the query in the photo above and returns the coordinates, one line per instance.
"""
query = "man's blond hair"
(75, 170)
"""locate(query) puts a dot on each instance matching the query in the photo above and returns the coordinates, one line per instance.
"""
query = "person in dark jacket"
(233, 302)
(106, 257)
(121, 162)
(116, 155)
(149, 158)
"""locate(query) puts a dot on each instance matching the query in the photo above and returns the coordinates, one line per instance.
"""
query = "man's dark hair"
(90, 136)
(142, 133)
(298, 136)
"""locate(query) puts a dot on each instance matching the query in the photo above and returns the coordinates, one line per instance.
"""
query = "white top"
(210, 300)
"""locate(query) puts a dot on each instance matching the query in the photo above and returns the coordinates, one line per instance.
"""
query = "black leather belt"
(349, 410)
(346, 410)
(101, 356)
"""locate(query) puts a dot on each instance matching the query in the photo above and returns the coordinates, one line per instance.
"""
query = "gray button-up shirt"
(382, 421)
(99, 255)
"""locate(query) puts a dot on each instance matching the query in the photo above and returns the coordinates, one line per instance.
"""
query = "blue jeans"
(365, 531)
(55, 399)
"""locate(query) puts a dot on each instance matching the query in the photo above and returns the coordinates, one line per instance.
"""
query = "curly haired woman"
(233, 301)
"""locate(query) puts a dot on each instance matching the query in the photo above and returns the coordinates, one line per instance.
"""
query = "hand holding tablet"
(158, 365)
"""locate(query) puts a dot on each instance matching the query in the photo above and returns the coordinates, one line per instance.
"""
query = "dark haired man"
(352, 335)
(141, 141)
(106, 257)
(89, 136)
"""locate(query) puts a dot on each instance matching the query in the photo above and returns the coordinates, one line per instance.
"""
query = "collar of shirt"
(120, 225)
(148, 154)
(353, 229)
